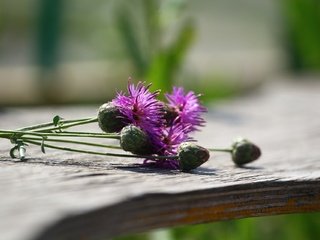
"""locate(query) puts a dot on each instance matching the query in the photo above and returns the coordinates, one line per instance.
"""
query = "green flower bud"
(109, 118)
(244, 151)
(191, 156)
(134, 140)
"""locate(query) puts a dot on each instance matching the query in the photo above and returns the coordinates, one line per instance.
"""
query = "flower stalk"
(227, 150)
(49, 124)
(17, 133)
(69, 125)
(100, 153)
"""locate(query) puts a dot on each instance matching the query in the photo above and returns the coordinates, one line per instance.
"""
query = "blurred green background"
(293, 227)
(80, 52)
(58, 52)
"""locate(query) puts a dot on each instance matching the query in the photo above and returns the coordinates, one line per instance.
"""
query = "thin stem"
(88, 133)
(220, 150)
(100, 153)
(10, 133)
(49, 124)
(72, 141)
(90, 120)
(5, 135)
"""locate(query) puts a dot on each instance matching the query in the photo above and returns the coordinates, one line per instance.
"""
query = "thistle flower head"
(171, 138)
(141, 108)
(244, 151)
(192, 156)
(187, 108)
(167, 145)
(109, 118)
(134, 140)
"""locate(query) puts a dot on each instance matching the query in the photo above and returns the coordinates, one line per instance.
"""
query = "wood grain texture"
(64, 195)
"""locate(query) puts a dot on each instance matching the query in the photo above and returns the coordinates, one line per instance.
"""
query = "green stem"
(5, 135)
(220, 150)
(49, 124)
(71, 141)
(100, 153)
(10, 134)
(90, 120)
(90, 133)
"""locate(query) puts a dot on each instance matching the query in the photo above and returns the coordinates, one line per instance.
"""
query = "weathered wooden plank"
(71, 196)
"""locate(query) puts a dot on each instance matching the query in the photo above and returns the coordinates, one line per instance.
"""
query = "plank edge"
(158, 210)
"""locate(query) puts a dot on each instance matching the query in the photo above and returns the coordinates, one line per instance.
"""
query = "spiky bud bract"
(192, 156)
(133, 139)
(244, 151)
(109, 118)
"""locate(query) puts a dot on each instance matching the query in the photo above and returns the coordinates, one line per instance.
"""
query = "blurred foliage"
(215, 87)
(49, 30)
(302, 19)
(153, 58)
(293, 227)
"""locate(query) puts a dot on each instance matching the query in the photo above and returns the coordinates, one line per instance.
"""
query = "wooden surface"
(64, 195)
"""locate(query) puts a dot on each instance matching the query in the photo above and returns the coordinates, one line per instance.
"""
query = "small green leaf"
(42, 145)
(56, 120)
(12, 151)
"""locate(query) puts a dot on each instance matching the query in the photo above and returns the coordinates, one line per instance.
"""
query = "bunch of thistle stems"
(155, 131)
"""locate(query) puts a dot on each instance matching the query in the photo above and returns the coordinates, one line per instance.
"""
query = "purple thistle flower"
(170, 140)
(187, 108)
(165, 164)
(141, 108)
